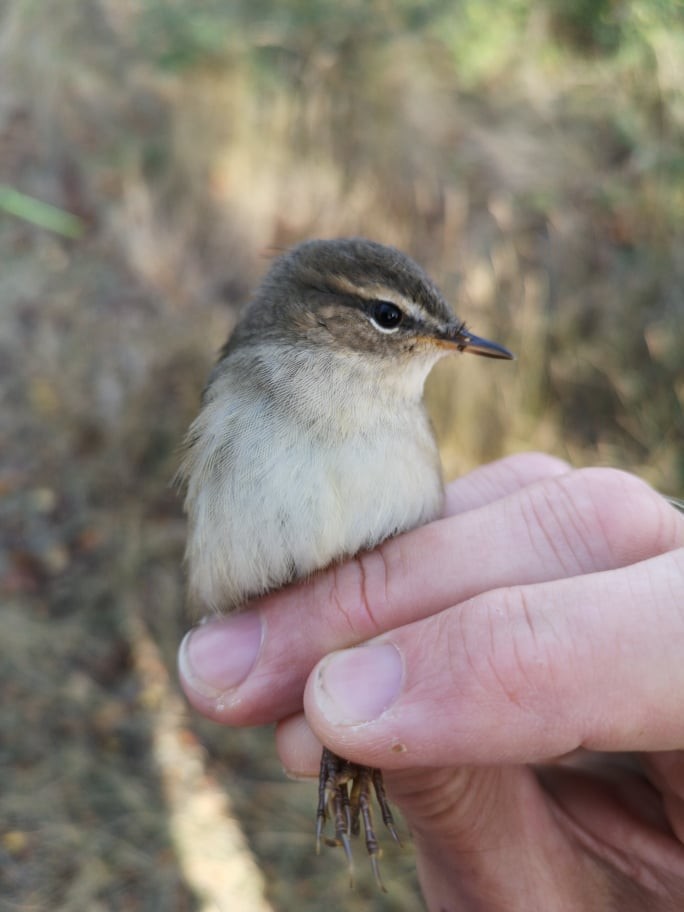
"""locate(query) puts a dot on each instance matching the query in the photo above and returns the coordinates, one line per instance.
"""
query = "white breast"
(279, 488)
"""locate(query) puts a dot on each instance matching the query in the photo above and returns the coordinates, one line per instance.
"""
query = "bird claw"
(345, 792)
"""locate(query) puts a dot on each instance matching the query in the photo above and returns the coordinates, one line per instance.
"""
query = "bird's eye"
(386, 316)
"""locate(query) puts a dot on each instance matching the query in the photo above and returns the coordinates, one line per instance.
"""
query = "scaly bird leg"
(348, 807)
(333, 800)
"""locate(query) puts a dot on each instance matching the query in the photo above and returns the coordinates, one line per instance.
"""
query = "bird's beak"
(465, 341)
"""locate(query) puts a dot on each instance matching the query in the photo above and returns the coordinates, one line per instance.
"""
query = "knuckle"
(598, 517)
(500, 648)
(358, 595)
(633, 521)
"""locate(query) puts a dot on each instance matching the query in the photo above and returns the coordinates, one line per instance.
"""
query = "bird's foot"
(345, 796)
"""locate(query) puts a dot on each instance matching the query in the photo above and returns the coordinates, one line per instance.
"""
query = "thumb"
(517, 675)
(476, 830)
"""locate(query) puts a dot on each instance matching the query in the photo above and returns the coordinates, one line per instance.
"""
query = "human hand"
(542, 616)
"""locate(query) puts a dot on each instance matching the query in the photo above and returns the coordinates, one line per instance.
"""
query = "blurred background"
(154, 154)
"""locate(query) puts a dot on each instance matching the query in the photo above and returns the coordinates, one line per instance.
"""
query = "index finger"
(561, 526)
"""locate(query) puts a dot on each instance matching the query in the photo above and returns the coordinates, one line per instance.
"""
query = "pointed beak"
(465, 341)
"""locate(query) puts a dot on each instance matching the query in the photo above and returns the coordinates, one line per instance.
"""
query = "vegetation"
(153, 155)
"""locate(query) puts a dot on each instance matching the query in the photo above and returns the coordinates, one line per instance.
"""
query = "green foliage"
(483, 36)
(39, 213)
(180, 37)
(588, 25)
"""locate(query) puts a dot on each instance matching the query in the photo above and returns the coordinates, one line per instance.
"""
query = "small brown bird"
(313, 444)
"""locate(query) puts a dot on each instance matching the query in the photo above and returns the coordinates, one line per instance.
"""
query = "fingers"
(216, 657)
(490, 483)
(251, 669)
(517, 675)
(298, 747)
(476, 831)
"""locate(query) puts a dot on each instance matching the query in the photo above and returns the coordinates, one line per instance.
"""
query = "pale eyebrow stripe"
(381, 293)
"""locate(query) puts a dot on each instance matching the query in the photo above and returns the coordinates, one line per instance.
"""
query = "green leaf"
(39, 213)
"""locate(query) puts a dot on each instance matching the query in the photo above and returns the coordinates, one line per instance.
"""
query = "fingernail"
(358, 685)
(217, 656)
(300, 777)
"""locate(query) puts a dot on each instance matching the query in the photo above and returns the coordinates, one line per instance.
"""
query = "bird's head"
(361, 301)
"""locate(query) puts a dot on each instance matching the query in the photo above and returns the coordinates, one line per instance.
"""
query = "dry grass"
(538, 182)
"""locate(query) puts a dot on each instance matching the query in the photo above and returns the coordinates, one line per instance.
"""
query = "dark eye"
(386, 316)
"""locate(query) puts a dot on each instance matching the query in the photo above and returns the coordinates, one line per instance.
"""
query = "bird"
(313, 444)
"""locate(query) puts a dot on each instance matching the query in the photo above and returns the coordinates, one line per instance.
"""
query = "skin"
(529, 721)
